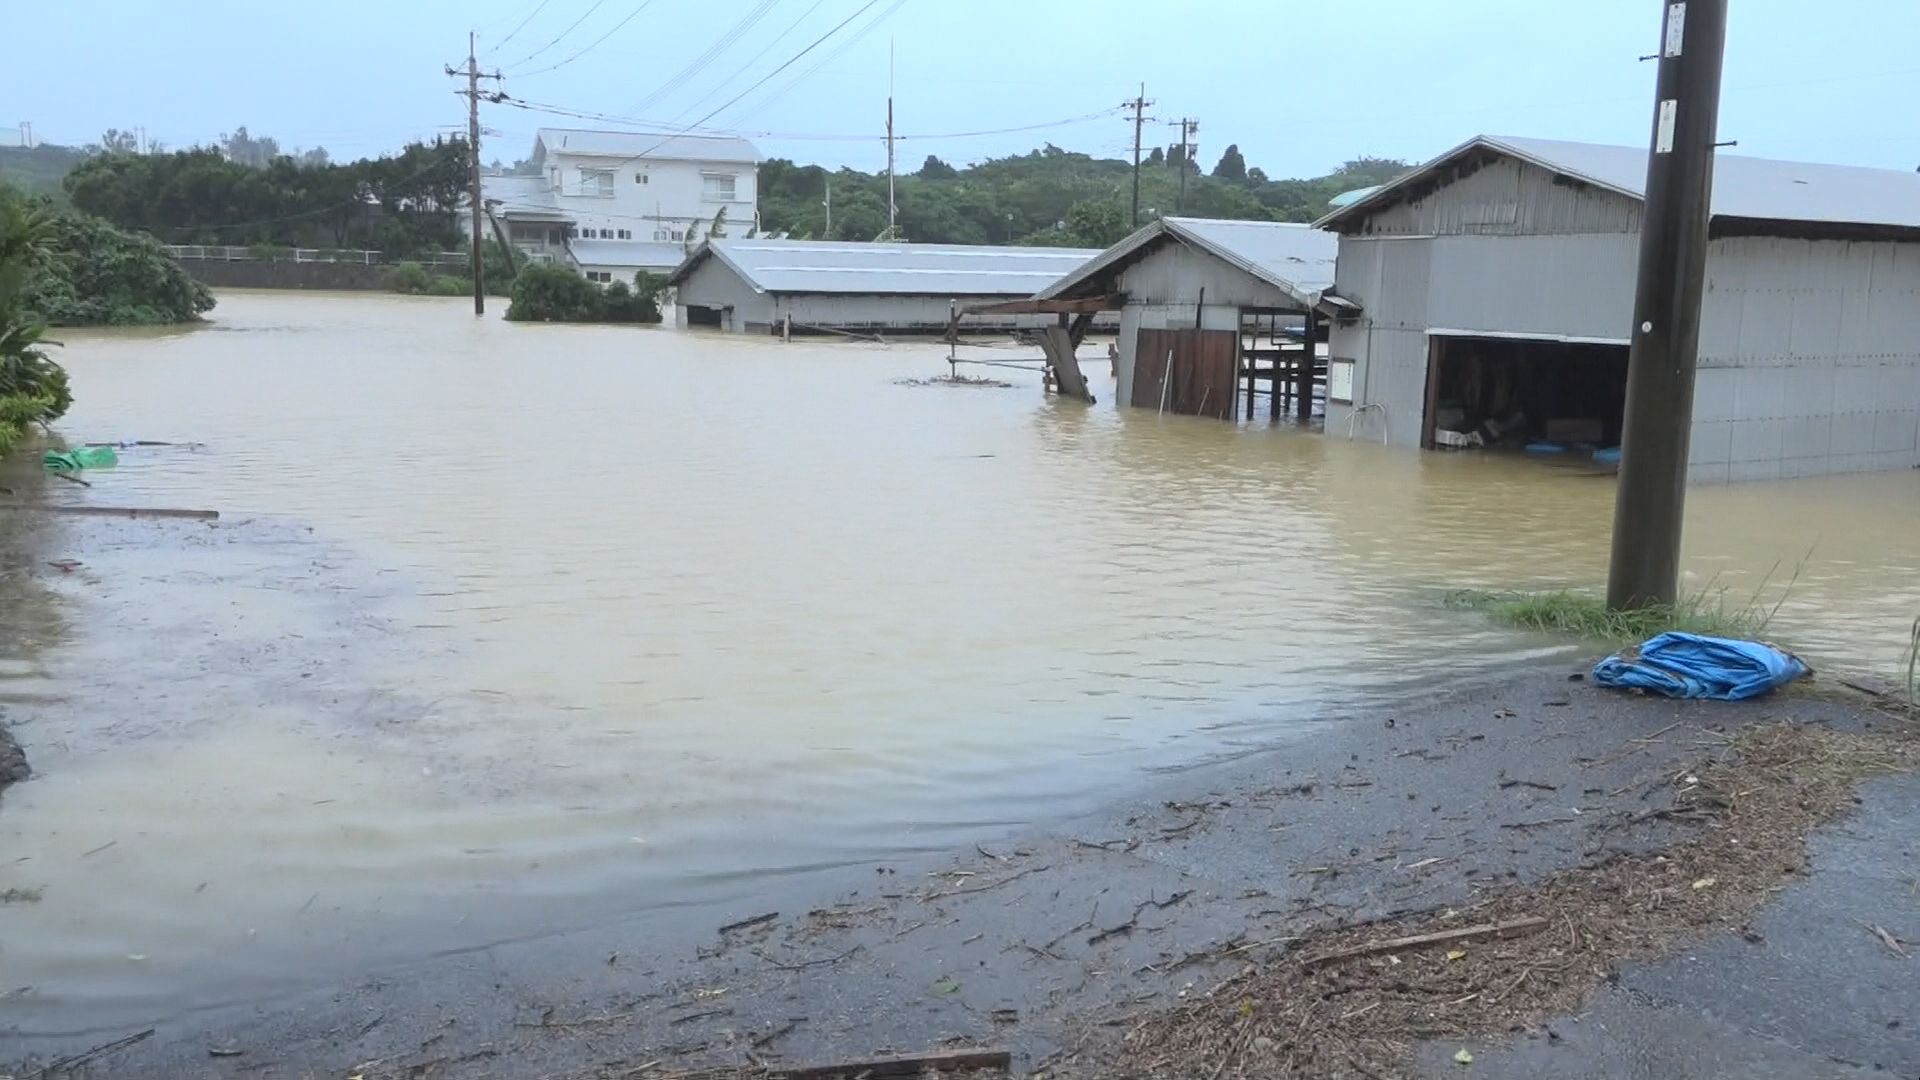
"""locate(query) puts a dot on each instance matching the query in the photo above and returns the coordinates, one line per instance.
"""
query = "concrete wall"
(269, 274)
(714, 284)
(1809, 359)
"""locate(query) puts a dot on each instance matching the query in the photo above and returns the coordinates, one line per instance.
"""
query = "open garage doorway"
(697, 315)
(1524, 393)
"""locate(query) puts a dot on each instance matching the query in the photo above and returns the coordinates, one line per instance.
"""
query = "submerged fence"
(351, 256)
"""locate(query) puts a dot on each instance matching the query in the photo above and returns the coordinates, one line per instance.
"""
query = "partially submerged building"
(765, 286)
(610, 203)
(1495, 284)
(1204, 304)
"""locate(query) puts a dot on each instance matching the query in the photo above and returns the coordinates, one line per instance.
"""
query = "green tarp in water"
(80, 457)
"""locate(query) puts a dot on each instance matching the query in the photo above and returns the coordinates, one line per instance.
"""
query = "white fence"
(267, 253)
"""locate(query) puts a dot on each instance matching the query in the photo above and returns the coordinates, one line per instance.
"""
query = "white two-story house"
(613, 202)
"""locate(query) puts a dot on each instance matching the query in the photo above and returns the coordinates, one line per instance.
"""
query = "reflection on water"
(512, 628)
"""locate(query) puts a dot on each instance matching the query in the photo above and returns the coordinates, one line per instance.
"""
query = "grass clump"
(1566, 611)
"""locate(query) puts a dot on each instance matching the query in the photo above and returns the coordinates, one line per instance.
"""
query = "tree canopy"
(1048, 196)
(401, 204)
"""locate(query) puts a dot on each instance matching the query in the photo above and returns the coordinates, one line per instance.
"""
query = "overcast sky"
(1299, 86)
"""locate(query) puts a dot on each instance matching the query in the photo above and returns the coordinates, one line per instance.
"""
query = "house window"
(717, 187)
(626, 234)
(602, 276)
(661, 234)
(639, 178)
(598, 182)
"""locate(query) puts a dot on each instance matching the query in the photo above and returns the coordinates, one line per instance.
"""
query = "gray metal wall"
(714, 284)
(1509, 198)
(1164, 291)
(1809, 359)
(1809, 350)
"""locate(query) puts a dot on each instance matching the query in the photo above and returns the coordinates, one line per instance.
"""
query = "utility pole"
(472, 94)
(890, 206)
(1139, 104)
(1189, 128)
(1651, 501)
(829, 205)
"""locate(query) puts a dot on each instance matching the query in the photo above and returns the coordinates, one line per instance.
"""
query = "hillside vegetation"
(1048, 196)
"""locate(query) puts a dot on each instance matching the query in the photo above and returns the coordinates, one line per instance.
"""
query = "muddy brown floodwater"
(511, 629)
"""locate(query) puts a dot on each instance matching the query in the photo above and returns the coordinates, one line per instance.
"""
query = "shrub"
(33, 389)
(96, 275)
(546, 293)
(448, 285)
(410, 278)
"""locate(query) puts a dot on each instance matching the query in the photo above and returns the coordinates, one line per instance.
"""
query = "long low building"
(1495, 292)
(763, 286)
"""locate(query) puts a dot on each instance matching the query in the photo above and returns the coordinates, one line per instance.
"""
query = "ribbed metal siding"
(1508, 198)
(1809, 359)
(1575, 286)
(1175, 274)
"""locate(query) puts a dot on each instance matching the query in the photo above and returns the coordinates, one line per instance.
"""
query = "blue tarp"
(1694, 666)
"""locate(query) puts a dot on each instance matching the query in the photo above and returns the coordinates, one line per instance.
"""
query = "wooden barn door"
(1191, 372)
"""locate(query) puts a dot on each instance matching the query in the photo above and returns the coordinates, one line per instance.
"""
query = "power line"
(838, 51)
(538, 8)
(635, 13)
(744, 68)
(699, 63)
(674, 131)
(763, 80)
(561, 34)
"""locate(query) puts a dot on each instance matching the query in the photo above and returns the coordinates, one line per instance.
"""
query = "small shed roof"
(1750, 189)
(527, 198)
(656, 146)
(1296, 259)
(835, 266)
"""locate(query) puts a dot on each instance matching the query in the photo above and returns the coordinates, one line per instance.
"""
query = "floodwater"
(509, 629)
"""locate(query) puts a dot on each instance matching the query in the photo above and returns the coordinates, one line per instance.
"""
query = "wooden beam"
(1081, 324)
(1077, 306)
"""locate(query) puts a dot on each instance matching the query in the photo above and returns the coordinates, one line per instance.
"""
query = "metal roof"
(524, 197)
(1294, 258)
(1743, 187)
(638, 254)
(657, 146)
(836, 266)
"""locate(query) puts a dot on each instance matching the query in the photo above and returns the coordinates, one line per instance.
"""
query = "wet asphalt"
(1037, 940)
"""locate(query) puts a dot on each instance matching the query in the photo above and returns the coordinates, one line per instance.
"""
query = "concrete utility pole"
(473, 148)
(1188, 129)
(1139, 105)
(890, 206)
(472, 94)
(829, 205)
(1651, 502)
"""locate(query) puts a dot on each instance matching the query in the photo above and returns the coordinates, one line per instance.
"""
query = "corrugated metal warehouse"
(757, 285)
(1203, 302)
(1496, 286)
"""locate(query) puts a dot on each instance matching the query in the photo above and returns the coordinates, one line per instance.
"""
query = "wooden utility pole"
(890, 204)
(1651, 502)
(473, 149)
(1139, 104)
(472, 94)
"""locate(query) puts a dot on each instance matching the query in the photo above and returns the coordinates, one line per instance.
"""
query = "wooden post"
(786, 328)
(1303, 378)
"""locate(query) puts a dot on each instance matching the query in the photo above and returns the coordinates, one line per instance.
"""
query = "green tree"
(935, 169)
(1232, 166)
(33, 388)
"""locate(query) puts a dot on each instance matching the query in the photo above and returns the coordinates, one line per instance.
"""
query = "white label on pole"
(1676, 27)
(1663, 136)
